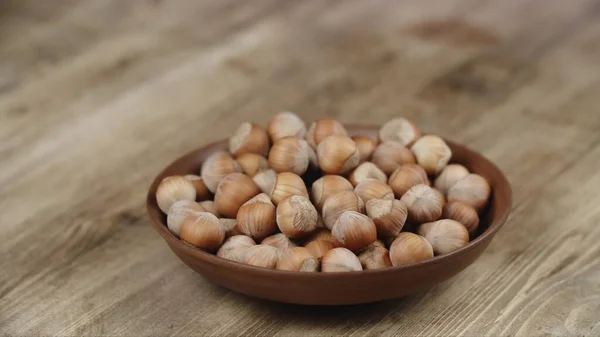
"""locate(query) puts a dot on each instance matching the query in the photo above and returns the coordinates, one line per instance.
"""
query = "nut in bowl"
(377, 273)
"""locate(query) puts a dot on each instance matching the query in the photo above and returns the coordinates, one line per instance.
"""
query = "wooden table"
(97, 96)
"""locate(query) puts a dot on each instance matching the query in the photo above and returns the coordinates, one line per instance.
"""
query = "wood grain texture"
(97, 96)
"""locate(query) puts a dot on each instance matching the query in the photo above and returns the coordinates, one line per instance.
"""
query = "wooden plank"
(85, 133)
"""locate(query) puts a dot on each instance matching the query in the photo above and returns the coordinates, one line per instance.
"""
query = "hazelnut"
(389, 216)
(354, 230)
(375, 258)
(432, 153)
(449, 176)
(265, 180)
(399, 130)
(297, 217)
(340, 260)
(319, 248)
(322, 234)
(410, 248)
(298, 259)
(367, 170)
(233, 191)
(323, 128)
(179, 211)
(389, 156)
(249, 138)
(216, 167)
(286, 185)
(327, 186)
(339, 203)
(172, 189)
(291, 154)
(235, 248)
(424, 203)
(373, 189)
(252, 163)
(376, 243)
(262, 256)
(445, 236)
(230, 226)
(202, 193)
(279, 241)
(405, 177)
(472, 189)
(463, 213)
(256, 217)
(202, 230)
(337, 154)
(210, 207)
(286, 124)
(366, 146)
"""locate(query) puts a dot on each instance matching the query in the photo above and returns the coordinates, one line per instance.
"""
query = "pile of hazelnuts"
(313, 200)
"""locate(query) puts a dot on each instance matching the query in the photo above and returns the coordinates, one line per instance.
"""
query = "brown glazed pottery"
(337, 288)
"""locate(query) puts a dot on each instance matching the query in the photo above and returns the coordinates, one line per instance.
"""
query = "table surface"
(96, 97)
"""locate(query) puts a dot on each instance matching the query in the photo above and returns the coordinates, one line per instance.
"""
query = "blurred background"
(97, 96)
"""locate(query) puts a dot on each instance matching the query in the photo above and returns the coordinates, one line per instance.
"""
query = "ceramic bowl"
(337, 288)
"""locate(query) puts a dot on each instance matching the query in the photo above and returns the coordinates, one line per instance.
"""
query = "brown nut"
(286, 124)
(337, 154)
(424, 204)
(216, 167)
(265, 180)
(432, 153)
(291, 154)
(373, 189)
(286, 185)
(375, 258)
(340, 260)
(230, 226)
(389, 216)
(252, 163)
(279, 241)
(210, 207)
(339, 203)
(249, 138)
(323, 128)
(399, 130)
(202, 230)
(367, 170)
(256, 217)
(327, 186)
(298, 259)
(472, 189)
(463, 213)
(179, 211)
(366, 146)
(319, 248)
(405, 177)
(262, 256)
(322, 234)
(354, 230)
(449, 176)
(389, 156)
(202, 193)
(172, 189)
(233, 191)
(235, 248)
(445, 235)
(410, 248)
(297, 217)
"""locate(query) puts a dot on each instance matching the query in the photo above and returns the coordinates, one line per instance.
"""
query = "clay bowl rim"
(156, 216)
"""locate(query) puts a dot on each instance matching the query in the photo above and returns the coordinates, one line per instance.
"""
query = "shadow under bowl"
(337, 288)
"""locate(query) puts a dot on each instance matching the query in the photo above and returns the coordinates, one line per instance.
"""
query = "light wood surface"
(97, 96)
